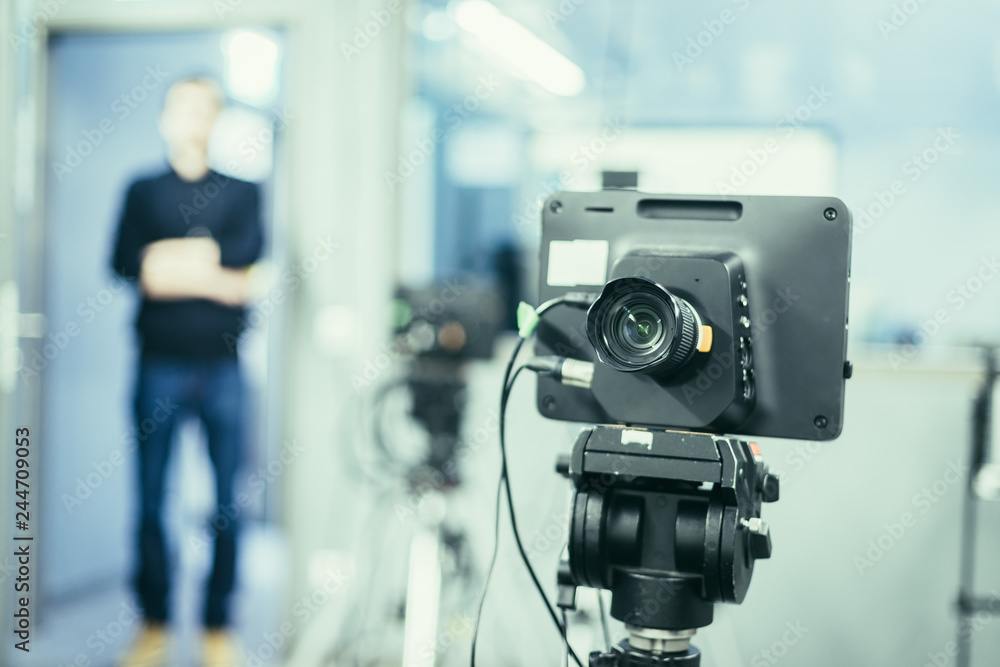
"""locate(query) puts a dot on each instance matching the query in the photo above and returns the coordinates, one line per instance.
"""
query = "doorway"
(104, 95)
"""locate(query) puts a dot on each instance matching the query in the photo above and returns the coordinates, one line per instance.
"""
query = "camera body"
(452, 319)
(721, 314)
(715, 387)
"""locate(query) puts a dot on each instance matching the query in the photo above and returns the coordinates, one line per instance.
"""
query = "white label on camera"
(579, 262)
(641, 438)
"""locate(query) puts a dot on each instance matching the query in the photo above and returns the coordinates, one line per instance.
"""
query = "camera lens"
(637, 325)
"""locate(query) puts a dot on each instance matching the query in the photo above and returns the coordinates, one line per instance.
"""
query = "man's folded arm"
(189, 268)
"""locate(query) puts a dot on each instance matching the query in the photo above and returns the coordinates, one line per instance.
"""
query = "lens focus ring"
(685, 339)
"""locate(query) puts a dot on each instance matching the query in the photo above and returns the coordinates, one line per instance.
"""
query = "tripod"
(438, 392)
(669, 522)
(970, 603)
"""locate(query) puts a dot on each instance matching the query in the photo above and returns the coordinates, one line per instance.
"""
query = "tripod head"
(438, 390)
(669, 522)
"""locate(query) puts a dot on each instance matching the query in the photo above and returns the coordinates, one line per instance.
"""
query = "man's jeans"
(167, 391)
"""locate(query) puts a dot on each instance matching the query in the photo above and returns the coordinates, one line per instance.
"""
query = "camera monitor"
(722, 314)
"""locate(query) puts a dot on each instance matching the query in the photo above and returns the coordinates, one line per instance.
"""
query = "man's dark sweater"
(165, 207)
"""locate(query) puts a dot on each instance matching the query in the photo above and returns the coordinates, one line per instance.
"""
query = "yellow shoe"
(218, 649)
(149, 649)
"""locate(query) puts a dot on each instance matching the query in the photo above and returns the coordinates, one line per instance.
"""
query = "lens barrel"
(639, 326)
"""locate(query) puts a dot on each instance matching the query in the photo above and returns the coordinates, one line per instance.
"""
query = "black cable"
(604, 621)
(489, 570)
(565, 633)
(501, 482)
(572, 299)
(517, 535)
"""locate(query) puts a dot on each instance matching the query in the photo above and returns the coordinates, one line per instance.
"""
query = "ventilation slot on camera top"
(674, 209)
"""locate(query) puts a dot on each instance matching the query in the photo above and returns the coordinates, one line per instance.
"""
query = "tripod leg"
(423, 597)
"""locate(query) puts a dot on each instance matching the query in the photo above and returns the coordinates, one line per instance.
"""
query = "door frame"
(109, 16)
(341, 185)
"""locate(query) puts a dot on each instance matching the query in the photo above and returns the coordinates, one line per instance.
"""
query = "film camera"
(442, 326)
(455, 319)
(699, 316)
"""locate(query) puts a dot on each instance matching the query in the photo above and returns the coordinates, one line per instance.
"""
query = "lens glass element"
(639, 327)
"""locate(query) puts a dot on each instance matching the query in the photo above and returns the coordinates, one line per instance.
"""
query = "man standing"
(189, 236)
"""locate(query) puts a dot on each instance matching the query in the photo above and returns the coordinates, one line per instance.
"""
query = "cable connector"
(570, 372)
(527, 319)
(577, 373)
